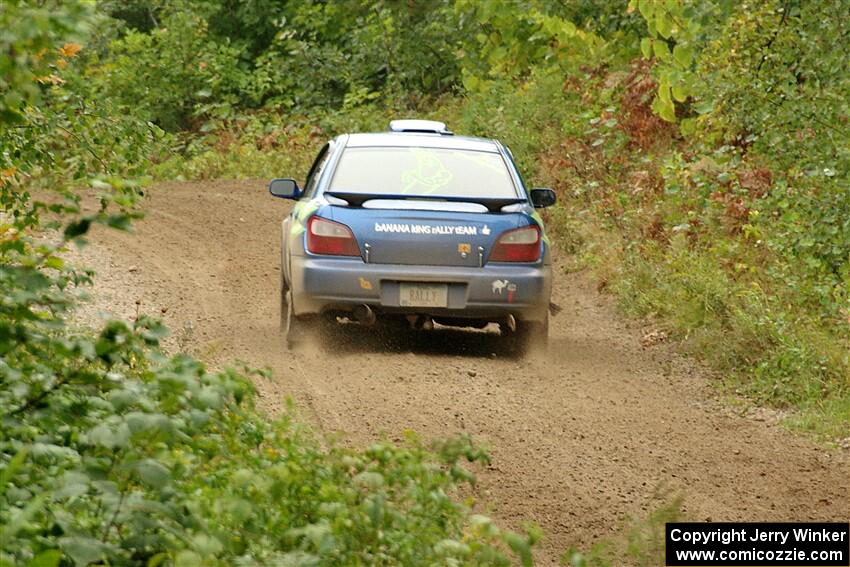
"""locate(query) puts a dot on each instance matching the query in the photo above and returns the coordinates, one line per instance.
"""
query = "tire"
(289, 324)
(297, 330)
(284, 305)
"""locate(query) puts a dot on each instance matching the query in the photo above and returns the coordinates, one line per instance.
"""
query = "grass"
(769, 350)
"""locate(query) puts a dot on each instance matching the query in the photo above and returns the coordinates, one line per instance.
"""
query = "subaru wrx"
(415, 226)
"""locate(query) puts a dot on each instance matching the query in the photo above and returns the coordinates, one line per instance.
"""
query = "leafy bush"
(704, 182)
(769, 83)
(116, 454)
(732, 211)
(170, 76)
(178, 64)
(111, 452)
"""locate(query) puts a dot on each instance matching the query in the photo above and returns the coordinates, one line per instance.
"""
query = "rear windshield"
(422, 171)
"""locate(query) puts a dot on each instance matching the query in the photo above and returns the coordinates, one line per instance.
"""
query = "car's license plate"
(424, 295)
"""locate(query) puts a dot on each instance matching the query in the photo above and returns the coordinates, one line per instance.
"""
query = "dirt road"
(579, 441)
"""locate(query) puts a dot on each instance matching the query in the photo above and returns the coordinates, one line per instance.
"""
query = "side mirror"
(542, 198)
(285, 188)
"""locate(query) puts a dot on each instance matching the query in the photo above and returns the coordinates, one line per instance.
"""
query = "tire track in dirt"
(579, 441)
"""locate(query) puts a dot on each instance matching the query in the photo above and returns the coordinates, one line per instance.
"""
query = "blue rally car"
(415, 226)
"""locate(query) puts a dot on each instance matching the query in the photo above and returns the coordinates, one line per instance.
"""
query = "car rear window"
(422, 171)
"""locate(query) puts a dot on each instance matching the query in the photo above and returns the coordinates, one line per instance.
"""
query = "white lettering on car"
(440, 229)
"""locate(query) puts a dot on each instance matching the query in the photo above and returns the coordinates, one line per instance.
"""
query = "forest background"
(700, 150)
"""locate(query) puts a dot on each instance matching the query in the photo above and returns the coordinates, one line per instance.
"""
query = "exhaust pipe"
(510, 323)
(364, 315)
(420, 322)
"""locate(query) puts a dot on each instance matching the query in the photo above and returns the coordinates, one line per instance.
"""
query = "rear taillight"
(331, 238)
(518, 245)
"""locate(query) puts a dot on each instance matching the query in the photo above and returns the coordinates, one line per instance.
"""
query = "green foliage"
(674, 29)
(264, 144)
(141, 459)
(784, 89)
(513, 37)
(178, 64)
(727, 221)
(743, 223)
(111, 452)
(172, 75)
(771, 77)
(611, 19)
(50, 130)
(33, 53)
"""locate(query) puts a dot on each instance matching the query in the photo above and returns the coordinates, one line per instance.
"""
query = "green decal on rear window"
(423, 171)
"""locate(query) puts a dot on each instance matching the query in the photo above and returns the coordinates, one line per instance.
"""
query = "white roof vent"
(427, 126)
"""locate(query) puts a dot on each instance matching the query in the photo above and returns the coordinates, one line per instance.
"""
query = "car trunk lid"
(453, 236)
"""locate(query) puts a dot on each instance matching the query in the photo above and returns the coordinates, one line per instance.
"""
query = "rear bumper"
(492, 292)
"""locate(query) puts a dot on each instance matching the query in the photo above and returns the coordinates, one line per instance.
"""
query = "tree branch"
(87, 147)
(785, 9)
(111, 522)
(41, 396)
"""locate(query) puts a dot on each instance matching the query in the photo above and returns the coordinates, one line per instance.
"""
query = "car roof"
(420, 139)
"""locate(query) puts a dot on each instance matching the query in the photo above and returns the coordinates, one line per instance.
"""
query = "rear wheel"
(295, 329)
(298, 329)
(284, 305)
